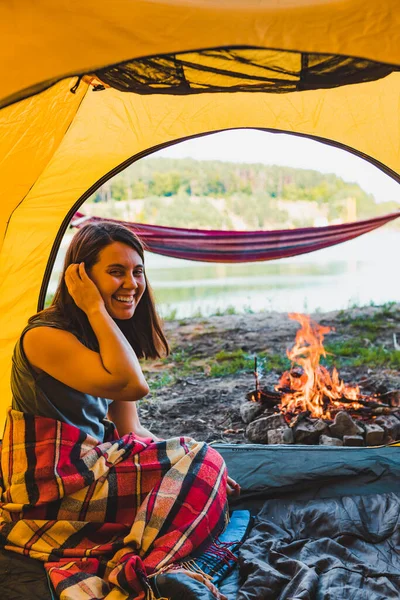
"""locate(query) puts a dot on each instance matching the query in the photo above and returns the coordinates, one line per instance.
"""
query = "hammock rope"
(241, 246)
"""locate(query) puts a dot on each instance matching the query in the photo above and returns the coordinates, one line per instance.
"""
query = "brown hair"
(143, 330)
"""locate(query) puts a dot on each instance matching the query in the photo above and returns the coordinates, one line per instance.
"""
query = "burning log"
(266, 396)
(392, 398)
(308, 385)
(365, 401)
(365, 405)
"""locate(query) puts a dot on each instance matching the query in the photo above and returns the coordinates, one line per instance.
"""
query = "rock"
(353, 440)
(390, 425)
(308, 432)
(374, 434)
(284, 435)
(344, 425)
(169, 406)
(325, 440)
(275, 421)
(250, 411)
(257, 431)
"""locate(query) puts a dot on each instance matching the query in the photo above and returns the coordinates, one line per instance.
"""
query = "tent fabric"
(85, 36)
(239, 69)
(242, 246)
(58, 146)
(305, 473)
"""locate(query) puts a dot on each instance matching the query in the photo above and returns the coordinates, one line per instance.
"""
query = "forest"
(224, 195)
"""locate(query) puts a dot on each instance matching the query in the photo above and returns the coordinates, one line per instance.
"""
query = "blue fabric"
(232, 537)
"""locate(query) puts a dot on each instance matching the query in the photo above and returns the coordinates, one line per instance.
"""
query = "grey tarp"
(328, 524)
(327, 549)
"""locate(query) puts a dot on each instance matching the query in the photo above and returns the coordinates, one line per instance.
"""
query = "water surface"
(359, 272)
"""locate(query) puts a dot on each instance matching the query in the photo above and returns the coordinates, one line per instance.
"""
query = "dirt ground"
(187, 398)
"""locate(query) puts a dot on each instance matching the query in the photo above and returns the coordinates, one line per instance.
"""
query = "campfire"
(310, 404)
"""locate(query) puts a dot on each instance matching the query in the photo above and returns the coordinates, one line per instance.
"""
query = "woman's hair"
(143, 330)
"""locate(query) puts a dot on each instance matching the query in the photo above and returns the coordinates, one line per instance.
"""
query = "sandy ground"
(191, 402)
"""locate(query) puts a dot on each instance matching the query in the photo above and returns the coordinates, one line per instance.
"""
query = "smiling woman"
(75, 367)
(72, 360)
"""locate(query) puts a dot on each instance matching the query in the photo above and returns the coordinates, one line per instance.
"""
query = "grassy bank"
(363, 337)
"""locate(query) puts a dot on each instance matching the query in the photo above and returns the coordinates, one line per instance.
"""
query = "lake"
(359, 272)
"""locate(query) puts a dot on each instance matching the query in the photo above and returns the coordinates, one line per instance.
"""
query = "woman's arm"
(126, 418)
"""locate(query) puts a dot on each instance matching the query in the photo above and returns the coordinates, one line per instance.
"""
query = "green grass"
(372, 322)
(387, 309)
(221, 364)
(355, 353)
(169, 314)
(229, 363)
(229, 310)
(161, 380)
(378, 357)
(275, 362)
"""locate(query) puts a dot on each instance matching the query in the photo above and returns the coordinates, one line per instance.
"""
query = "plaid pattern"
(104, 516)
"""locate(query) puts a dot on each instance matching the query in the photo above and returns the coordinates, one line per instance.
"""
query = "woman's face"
(119, 276)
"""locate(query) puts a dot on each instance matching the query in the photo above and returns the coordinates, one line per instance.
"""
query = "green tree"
(139, 189)
(119, 189)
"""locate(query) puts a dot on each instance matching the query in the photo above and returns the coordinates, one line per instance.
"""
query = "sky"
(251, 146)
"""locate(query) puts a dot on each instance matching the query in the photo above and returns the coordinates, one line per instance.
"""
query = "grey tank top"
(43, 395)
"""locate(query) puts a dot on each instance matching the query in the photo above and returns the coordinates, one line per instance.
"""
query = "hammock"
(241, 246)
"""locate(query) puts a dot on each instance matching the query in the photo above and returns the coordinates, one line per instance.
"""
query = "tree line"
(223, 195)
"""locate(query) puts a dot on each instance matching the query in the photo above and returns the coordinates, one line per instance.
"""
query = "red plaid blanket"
(105, 516)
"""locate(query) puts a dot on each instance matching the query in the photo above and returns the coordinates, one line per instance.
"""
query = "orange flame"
(312, 387)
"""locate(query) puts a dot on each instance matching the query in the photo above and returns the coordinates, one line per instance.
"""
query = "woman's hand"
(142, 432)
(82, 289)
(232, 487)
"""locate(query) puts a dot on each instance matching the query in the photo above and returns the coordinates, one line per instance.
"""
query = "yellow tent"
(88, 87)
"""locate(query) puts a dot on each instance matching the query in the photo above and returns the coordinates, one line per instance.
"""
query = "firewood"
(266, 396)
(364, 402)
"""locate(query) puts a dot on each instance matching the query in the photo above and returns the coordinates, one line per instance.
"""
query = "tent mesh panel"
(239, 69)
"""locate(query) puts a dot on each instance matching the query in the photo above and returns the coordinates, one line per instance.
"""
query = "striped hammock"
(241, 246)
